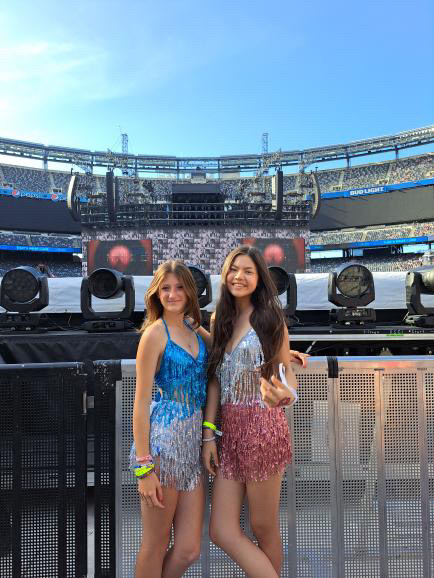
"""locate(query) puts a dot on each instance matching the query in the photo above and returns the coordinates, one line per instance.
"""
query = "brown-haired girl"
(168, 432)
(250, 340)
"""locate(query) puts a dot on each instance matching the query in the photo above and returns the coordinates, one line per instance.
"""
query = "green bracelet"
(209, 425)
(212, 427)
(143, 471)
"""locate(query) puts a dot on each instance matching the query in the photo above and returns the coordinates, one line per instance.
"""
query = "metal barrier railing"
(358, 499)
(43, 529)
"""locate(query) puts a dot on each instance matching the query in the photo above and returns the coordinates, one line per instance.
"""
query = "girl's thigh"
(188, 520)
(157, 522)
(264, 499)
(226, 503)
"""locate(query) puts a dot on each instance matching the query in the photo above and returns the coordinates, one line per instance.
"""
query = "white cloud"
(40, 73)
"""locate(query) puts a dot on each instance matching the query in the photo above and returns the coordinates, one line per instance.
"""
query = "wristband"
(143, 471)
(286, 402)
(212, 427)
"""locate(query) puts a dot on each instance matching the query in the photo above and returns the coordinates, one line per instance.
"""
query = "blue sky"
(208, 78)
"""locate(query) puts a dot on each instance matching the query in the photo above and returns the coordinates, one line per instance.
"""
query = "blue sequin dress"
(176, 415)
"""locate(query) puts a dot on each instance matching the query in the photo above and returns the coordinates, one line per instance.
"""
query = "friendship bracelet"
(143, 471)
(208, 439)
(145, 459)
(212, 427)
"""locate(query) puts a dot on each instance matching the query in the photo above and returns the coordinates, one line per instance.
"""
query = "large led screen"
(132, 257)
(285, 253)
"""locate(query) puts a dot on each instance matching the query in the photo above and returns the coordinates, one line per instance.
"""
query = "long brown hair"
(154, 308)
(266, 319)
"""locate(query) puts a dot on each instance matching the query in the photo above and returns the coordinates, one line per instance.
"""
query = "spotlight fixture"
(419, 283)
(22, 291)
(203, 284)
(351, 287)
(286, 282)
(107, 284)
(73, 198)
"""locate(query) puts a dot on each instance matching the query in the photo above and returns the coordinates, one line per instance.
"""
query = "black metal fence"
(44, 415)
(43, 470)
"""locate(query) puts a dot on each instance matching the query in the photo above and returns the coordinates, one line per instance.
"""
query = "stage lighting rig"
(419, 283)
(23, 290)
(107, 284)
(203, 284)
(286, 282)
(351, 287)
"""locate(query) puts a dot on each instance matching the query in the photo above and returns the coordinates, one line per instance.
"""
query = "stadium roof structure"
(224, 164)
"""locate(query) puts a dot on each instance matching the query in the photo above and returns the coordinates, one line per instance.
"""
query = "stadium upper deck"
(408, 169)
(234, 163)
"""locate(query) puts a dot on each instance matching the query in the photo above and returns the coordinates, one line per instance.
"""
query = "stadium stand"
(11, 238)
(35, 180)
(411, 169)
(402, 231)
(47, 240)
(60, 180)
(329, 180)
(60, 265)
(39, 239)
(397, 263)
(374, 174)
(388, 172)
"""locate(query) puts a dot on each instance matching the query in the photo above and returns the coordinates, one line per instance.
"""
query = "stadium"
(378, 213)
(358, 498)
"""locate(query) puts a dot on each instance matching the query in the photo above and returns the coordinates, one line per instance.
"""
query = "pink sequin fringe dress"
(255, 444)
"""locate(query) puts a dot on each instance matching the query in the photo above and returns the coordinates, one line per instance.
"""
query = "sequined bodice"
(182, 378)
(239, 372)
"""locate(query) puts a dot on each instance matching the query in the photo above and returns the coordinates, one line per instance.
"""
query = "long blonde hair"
(154, 309)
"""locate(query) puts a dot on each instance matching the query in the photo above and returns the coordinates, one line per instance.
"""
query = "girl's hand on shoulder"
(210, 457)
(150, 491)
(298, 358)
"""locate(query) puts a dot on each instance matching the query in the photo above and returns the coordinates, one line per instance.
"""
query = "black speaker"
(110, 188)
(277, 193)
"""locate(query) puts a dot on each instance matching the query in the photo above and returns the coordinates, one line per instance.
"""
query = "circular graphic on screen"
(119, 257)
(131, 257)
(274, 254)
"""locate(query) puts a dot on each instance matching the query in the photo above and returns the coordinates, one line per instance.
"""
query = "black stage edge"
(316, 339)
(61, 346)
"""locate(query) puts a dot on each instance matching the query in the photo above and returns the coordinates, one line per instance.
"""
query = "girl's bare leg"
(226, 533)
(156, 525)
(187, 531)
(264, 499)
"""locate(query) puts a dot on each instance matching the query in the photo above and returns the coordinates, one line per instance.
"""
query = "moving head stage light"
(286, 282)
(418, 283)
(107, 284)
(203, 284)
(351, 287)
(22, 291)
